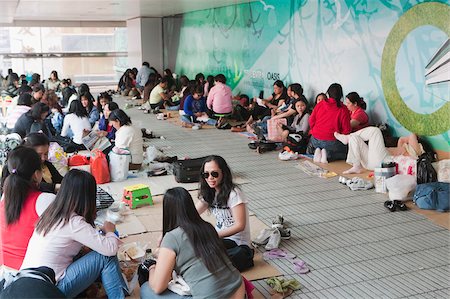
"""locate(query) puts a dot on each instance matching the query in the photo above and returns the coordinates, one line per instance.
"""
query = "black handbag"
(188, 171)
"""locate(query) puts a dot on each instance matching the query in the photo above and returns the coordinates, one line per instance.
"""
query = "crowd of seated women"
(47, 220)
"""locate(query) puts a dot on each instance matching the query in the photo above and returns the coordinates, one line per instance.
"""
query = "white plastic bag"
(152, 153)
(118, 166)
(400, 185)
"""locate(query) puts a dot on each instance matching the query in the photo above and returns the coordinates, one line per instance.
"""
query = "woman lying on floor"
(223, 198)
(371, 155)
(191, 247)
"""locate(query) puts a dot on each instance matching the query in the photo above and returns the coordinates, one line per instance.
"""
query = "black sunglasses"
(214, 174)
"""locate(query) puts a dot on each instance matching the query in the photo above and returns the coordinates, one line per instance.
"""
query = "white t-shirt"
(128, 137)
(224, 217)
(58, 248)
(155, 96)
(77, 125)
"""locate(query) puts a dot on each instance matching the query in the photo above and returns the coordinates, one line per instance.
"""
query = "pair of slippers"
(395, 205)
(356, 183)
(298, 265)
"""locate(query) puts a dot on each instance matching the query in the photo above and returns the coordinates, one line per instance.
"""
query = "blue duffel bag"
(432, 196)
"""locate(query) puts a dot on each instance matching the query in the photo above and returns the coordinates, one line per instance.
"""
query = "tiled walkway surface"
(353, 245)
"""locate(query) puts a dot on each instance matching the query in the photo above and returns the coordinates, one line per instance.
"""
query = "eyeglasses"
(214, 174)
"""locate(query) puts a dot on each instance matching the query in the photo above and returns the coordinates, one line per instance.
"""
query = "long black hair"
(37, 110)
(207, 193)
(335, 92)
(90, 99)
(179, 211)
(36, 139)
(77, 108)
(17, 175)
(77, 195)
(121, 116)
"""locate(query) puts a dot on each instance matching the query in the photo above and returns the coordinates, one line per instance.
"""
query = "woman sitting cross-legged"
(300, 124)
(192, 248)
(61, 232)
(221, 196)
(194, 108)
(127, 137)
(76, 122)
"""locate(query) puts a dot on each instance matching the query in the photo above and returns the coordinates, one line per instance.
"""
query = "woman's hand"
(108, 227)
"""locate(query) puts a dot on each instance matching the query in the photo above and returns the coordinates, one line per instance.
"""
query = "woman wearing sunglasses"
(223, 198)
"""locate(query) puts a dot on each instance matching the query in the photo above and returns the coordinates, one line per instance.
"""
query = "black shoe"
(225, 126)
(253, 145)
(390, 205)
(157, 172)
(400, 205)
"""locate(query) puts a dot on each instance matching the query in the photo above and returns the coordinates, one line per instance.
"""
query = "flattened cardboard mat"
(158, 185)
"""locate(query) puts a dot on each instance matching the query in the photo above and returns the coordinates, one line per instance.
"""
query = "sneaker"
(287, 155)
(278, 221)
(274, 240)
(285, 233)
(196, 127)
(160, 116)
(263, 237)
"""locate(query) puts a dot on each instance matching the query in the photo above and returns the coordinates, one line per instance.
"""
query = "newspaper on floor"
(312, 169)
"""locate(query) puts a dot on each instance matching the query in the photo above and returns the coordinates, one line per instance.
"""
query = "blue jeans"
(85, 271)
(263, 124)
(173, 108)
(148, 293)
(192, 119)
(335, 149)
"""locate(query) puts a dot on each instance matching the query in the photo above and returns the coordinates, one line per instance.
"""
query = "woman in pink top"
(358, 117)
(220, 97)
(61, 232)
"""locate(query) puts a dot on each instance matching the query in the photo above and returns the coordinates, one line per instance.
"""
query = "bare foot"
(341, 137)
(250, 129)
(354, 169)
(186, 125)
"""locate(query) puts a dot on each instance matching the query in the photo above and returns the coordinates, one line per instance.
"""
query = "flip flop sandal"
(277, 254)
(390, 205)
(300, 267)
(400, 205)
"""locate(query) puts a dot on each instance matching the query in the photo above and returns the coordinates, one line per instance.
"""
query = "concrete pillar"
(145, 42)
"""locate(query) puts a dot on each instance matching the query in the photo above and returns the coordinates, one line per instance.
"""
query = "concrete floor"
(353, 245)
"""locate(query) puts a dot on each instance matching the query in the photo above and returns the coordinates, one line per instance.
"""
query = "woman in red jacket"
(329, 116)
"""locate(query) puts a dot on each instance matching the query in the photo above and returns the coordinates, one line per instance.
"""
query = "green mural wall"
(381, 49)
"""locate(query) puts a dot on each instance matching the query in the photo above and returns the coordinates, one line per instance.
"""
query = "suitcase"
(188, 171)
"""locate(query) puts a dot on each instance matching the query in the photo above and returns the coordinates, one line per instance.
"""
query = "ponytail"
(22, 163)
(362, 104)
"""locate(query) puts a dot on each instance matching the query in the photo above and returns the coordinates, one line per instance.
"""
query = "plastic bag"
(153, 153)
(58, 158)
(99, 167)
(425, 170)
(400, 185)
(78, 160)
(443, 171)
(118, 165)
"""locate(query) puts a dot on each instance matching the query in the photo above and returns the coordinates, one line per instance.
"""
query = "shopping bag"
(58, 158)
(99, 167)
(119, 164)
(274, 130)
